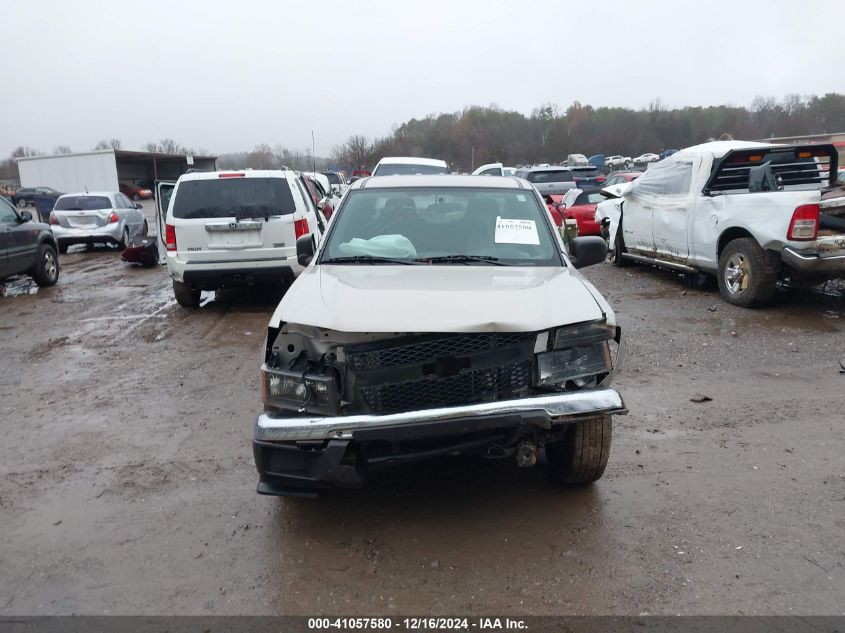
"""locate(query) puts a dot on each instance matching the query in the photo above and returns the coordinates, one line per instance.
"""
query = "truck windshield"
(448, 225)
(82, 203)
(561, 175)
(396, 169)
(233, 198)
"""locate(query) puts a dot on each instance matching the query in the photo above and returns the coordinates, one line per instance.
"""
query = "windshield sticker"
(516, 232)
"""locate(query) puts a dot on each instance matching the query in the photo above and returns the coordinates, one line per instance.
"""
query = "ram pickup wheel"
(186, 296)
(21, 203)
(581, 457)
(744, 278)
(46, 269)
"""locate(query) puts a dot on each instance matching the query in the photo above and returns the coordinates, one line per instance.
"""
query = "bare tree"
(110, 144)
(356, 152)
(169, 146)
(62, 149)
(261, 157)
(151, 147)
(21, 151)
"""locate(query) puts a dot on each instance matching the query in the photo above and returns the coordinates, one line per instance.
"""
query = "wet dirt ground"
(127, 481)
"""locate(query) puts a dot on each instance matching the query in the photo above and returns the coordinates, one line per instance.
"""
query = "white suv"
(228, 228)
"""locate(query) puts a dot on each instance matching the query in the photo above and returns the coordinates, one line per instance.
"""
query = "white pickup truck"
(749, 213)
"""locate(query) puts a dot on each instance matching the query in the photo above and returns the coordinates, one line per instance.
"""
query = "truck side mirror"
(305, 249)
(26, 216)
(586, 251)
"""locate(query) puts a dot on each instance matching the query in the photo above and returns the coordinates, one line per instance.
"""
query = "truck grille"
(427, 372)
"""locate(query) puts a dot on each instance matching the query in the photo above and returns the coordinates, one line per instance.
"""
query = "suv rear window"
(404, 169)
(562, 175)
(333, 178)
(585, 172)
(233, 198)
(82, 203)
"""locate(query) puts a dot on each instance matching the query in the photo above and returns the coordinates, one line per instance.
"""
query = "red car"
(622, 176)
(582, 208)
(135, 192)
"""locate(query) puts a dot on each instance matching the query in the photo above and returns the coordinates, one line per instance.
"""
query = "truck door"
(670, 217)
(164, 190)
(637, 216)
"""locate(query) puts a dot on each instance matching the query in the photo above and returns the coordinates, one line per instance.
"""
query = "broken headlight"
(578, 353)
(307, 391)
(582, 334)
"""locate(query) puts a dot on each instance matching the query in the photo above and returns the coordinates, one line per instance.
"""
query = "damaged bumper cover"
(813, 262)
(301, 455)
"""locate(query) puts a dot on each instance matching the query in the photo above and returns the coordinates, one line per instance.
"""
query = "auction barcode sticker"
(516, 232)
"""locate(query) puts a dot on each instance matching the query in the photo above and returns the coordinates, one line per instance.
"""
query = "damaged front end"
(339, 405)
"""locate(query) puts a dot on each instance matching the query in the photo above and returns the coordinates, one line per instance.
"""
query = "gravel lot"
(127, 481)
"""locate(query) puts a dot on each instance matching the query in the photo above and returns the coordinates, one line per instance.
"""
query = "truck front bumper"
(301, 455)
(814, 262)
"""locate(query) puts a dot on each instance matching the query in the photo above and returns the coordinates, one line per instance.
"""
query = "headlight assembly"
(577, 352)
(558, 366)
(310, 391)
(582, 334)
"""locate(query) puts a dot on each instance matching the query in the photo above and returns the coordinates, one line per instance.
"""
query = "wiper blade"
(368, 259)
(462, 259)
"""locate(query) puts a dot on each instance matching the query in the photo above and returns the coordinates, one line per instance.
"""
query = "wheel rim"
(737, 274)
(51, 269)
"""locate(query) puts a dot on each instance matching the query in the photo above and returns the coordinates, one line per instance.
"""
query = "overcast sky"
(226, 75)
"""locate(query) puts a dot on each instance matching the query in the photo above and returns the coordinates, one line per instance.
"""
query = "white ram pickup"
(749, 213)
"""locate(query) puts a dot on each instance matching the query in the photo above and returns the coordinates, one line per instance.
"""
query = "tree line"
(478, 135)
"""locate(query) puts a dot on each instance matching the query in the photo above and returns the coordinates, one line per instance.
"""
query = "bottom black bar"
(284, 624)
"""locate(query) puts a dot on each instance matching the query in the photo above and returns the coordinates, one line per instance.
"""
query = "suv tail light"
(54, 219)
(301, 227)
(170, 237)
(804, 225)
(113, 217)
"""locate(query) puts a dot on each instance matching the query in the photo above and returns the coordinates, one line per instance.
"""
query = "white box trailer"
(94, 171)
(104, 170)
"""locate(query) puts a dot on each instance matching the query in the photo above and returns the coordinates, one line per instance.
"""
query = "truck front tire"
(581, 457)
(745, 279)
(46, 269)
(186, 296)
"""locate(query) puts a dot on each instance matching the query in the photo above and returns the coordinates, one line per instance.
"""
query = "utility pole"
(472, 160)
(313, 155)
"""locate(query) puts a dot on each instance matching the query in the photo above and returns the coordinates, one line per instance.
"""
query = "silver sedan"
(96, 217)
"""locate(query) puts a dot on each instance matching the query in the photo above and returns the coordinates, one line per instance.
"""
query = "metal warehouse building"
(103, 170)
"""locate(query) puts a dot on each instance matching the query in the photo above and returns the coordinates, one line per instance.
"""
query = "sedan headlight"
(304, 392)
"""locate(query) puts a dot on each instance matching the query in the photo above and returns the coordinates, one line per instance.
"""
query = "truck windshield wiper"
(462, 259)
(367, 259)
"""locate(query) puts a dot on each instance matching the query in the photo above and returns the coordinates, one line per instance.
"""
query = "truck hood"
(365, 298)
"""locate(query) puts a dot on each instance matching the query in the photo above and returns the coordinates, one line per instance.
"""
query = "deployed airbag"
(379, 246)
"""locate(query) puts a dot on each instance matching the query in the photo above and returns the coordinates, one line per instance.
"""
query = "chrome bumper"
(813, 262)
(559, 408)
